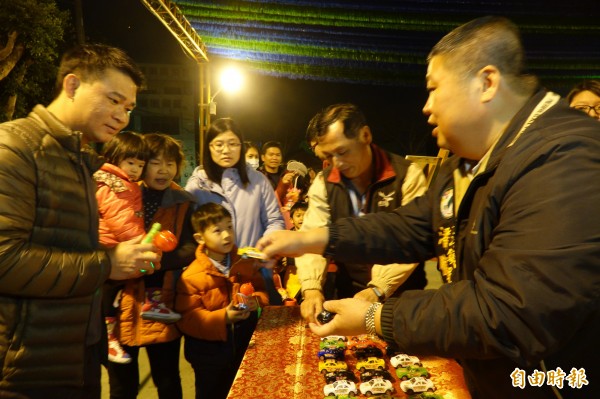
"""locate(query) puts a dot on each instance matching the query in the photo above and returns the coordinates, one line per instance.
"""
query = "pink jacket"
(119, 205)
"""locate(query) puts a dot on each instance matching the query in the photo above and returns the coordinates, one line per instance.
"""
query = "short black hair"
(348, 114)
(125, 145)
(208, 215)
(165, 145)
(90, 62)
(270, 144)
(298, 205)
(587, 85)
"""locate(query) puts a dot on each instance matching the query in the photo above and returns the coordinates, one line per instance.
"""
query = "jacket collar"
(383, 167)
(514, 128)
(68, 139)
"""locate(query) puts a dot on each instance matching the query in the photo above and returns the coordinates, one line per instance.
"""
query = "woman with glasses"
(586, 97)
(226, 179)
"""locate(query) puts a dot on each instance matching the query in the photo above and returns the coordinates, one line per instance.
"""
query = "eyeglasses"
(588, 108)
(220, 145)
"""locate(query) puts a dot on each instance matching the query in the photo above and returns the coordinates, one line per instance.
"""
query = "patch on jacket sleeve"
(113, 182)
(447, 203)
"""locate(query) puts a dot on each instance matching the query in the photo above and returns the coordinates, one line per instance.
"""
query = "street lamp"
(230, 82)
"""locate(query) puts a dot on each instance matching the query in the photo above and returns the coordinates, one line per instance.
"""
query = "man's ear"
(489, 77)
(364, 135)
(199, 239)
(70, 85)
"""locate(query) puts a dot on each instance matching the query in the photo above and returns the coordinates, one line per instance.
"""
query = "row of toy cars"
(370, 362)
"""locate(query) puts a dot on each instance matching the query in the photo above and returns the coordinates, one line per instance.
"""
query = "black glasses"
(588, 108)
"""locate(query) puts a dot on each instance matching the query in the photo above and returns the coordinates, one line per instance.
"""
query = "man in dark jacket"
(361, 178)
(514, 215)
(51, 266)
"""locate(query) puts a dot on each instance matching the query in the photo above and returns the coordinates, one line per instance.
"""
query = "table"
(281, 363)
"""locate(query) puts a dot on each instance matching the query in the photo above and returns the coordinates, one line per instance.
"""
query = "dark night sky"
(268, 107)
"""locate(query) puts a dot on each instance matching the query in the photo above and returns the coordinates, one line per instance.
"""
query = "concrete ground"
(187, 374)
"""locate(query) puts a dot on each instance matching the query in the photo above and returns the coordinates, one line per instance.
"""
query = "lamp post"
(230, 81)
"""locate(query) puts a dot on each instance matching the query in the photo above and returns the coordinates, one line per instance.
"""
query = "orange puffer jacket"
(132, 329)
(119, 205)
(203, 293)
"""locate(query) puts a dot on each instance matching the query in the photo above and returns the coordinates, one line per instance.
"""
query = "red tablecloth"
(281, 363)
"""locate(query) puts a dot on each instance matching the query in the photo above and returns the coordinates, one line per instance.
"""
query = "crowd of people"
(510, 218)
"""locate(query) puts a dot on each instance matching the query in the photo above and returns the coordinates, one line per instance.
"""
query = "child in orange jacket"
(121, 216)
(218, 312)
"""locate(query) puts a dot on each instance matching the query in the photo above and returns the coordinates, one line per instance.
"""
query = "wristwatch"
(380, 295)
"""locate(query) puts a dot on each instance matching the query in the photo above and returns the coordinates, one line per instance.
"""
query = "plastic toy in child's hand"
(247, 289)
(149, 238)
(245, 295)
(151, 233)
(325, 317)
(251, 252)
(165, 241)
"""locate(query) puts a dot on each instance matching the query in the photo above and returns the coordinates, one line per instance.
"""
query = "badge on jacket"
(447, 203)
(385, 199)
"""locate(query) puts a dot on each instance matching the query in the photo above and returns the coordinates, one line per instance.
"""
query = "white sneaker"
(158, 311)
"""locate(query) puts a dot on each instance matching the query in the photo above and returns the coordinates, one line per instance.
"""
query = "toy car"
(369, 351)
(424, 395)
(250, 252)
(339, 375)
(325, 317)
(335, 337)
(332, 343)
(417, 384)
(328, 365)
(341, 387)
(370, 363)
(408, 372)
(370, 374)
(404, 360)
(376, 386)
(364, 341)
(331, 353)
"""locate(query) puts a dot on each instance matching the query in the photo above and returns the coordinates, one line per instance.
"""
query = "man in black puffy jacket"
(513, 217)
(51, 266)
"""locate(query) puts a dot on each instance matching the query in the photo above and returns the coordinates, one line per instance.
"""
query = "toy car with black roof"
(375, 373)
(332, 376)
(331, 353)
(369, 351)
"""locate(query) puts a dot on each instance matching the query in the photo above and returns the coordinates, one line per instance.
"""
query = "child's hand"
(234, 315)
(252, 303)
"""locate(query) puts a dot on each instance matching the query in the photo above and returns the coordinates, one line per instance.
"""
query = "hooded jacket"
(203, 294)
(51, 269)
(524, 246)
(119, 206)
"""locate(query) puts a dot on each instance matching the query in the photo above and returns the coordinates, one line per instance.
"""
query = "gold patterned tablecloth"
(281, 363)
